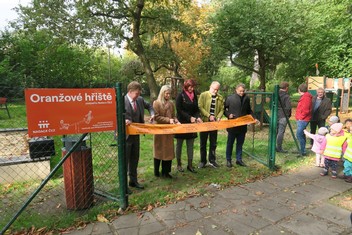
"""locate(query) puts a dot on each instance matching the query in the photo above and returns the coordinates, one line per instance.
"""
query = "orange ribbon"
(142, 128)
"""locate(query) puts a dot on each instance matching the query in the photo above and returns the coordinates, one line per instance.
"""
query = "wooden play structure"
(340, 88)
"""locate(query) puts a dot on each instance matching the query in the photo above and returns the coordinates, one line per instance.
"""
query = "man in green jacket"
(211, 106)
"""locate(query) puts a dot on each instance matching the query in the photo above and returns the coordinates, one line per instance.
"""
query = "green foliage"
(38, 60)
(245, 29)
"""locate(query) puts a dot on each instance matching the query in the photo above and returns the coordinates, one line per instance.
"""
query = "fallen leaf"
(101, 218)
(198, 232)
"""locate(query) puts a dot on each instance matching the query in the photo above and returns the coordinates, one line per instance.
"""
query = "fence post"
(273, 127)
(121, 141)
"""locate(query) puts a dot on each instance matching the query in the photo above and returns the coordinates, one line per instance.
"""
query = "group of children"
(332, 144)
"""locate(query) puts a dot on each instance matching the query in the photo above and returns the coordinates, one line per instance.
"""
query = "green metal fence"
(54, 182)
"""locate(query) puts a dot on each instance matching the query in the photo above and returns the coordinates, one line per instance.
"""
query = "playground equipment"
(338, 87)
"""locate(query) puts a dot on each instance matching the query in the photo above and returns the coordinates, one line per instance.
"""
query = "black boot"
(156, 167)
(166, 169)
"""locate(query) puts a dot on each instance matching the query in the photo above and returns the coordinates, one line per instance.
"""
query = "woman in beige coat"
(164, 144)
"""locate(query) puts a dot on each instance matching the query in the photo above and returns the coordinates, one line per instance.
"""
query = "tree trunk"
(262, 68)
(138, 49)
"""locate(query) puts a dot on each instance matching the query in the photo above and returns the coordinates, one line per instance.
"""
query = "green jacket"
(204, 103)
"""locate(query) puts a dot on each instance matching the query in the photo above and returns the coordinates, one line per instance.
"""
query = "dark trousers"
(231, 137)
(314, 125)
(132, 156)
(333, 165)
(281, 128)
(165, 166)
(213, 136)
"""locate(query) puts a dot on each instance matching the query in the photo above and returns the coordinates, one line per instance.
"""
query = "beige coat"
(164, 144)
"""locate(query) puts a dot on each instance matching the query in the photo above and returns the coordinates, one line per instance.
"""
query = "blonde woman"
(164, 144)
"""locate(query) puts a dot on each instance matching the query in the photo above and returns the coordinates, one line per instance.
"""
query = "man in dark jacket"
(134, 107)
(321, 109)
(236, 105)
(284, 108)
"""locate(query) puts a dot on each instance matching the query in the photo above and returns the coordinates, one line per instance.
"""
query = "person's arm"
(328, 108)
(180, 109)
(157, 116)
(308, 134)
(221, 108)
(323, 146)
(201, 104)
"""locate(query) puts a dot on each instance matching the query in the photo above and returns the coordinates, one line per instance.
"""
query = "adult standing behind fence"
(164, 151)
(303, 116)
(237, 105)
(134, 107)
(284, 111)
(187, 112)
(321, 109)
(211, 106)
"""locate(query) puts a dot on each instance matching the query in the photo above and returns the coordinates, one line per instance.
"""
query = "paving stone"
(207, 205)
(174, 215)
(336, 185)
(101, 228)
(311, 193)
(244, 217)
(333, 213)
(304, 224)
(270, 210)
(205, 227)
(146, 224)
(282, 182)
(287, 199)
(273, 230)
(237, 195)
(261, 189)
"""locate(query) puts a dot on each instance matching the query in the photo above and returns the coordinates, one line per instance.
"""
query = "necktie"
(134, 106)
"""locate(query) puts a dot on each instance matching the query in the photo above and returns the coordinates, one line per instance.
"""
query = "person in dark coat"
(134, 111)
(285, 107)
(187, 112)
(237, 105)
(321, 109)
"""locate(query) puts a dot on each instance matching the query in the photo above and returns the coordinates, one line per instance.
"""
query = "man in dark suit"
(134, 106)
(321, 109)
(237, 105)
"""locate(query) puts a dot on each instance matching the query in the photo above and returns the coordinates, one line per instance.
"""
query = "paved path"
(295, 203)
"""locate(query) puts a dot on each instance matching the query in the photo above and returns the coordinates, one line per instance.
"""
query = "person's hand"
(212, 118)
(177, 121)
(128, 122)
(199, 120)
(193, 119)
(257, 122)
(151, 120)
(231, 116)
(172, 121)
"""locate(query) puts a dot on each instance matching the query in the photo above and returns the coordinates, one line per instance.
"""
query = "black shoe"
(240, 163)
(166, 175)
(214, 164)
(281, 151)
(157, 173)
(191, 169)
(136, 185)
(229, 164)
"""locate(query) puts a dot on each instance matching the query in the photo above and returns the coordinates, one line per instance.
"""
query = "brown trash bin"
(78, 178)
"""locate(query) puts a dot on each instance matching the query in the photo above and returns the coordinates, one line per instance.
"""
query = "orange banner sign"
(70, 111)
(139, 128)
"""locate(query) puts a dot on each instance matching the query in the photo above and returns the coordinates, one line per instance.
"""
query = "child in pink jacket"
(318, 140)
